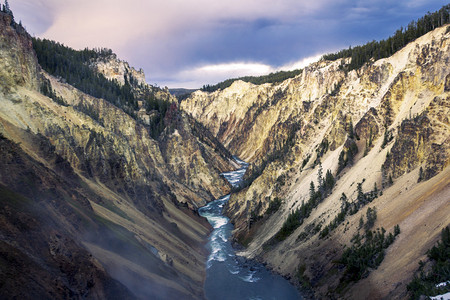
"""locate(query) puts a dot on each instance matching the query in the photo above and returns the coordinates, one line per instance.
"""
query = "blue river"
(229, 276)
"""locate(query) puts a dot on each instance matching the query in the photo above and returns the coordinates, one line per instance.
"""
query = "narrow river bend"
(229, 276)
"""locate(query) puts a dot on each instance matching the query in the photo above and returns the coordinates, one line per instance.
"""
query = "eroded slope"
(383, 127)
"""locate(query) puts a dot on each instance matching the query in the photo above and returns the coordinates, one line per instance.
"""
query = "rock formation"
(383, 127)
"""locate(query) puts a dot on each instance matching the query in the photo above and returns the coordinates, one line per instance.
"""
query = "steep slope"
(119, 205)
(294, 132)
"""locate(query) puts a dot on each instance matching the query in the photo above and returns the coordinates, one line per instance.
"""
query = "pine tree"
(7, 9)
(420, 175)
(361, 197)
(350, 130)
(320, 176)
(312, 190)
(390, 181)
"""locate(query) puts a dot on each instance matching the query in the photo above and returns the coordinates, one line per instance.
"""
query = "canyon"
(101, 200)
(91, 205)
(383, 127)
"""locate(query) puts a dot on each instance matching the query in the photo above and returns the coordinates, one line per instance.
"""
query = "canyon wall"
(383, 128)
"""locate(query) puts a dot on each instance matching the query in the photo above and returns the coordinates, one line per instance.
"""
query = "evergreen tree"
(350, 130)
(329, 181)
(312, 190)
(320, 176)
(420, 175)
(361, 197)
(7, 9)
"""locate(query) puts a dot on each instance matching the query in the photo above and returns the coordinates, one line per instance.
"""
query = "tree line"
(376, 50)
(74, 66)
(360, 54)
(433, 279)
(270, 78)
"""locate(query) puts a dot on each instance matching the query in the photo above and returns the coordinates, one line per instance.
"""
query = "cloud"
(301, 63)
(175, 38)
(82, 22)
(212, 74)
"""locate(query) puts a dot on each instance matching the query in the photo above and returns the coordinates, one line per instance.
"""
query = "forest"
(74, 67)
(376, 50)
(271, 78)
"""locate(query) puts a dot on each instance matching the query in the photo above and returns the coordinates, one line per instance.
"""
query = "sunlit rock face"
(18, 63)
(385, 124)
(90, 202)
(114, 69)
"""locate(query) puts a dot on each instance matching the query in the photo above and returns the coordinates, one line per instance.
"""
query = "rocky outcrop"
(18, 65)
(422, 140)
(382, 126)
(115, 69)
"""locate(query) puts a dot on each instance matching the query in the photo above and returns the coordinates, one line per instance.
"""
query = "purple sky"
(188, 43)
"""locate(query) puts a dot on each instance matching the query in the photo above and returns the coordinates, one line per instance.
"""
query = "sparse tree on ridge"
(7, 8)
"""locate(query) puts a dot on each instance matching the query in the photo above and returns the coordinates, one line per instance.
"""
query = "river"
(229, 276)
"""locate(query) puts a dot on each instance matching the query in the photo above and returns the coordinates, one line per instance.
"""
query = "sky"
(189, 43)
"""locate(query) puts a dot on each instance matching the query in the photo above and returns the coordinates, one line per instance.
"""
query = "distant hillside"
(181, 91)
(359, 54)
(385, 48)
(83, 70)
(276, 77)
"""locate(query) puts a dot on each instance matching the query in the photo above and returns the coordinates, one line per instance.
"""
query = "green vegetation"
(302, 278)
(75, 68)
(7, 9)
(47, 90)
(363, 256)
(426, 282)
(345, 206)
(90, 111)
(296, 218)
(420, 175)
(305, 161)
(164, 112)
(293, 221)
(321, 150)
(388, 136)
(271, 78)
(365, 198)
(385, 48)
(351, 208)
(274, 206)
(367, 250)
(369, 142)
(347, 155)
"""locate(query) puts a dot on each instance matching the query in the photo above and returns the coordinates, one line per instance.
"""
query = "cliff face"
(119, 206)
(18, 64)
(116, 69)
(385, 124)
